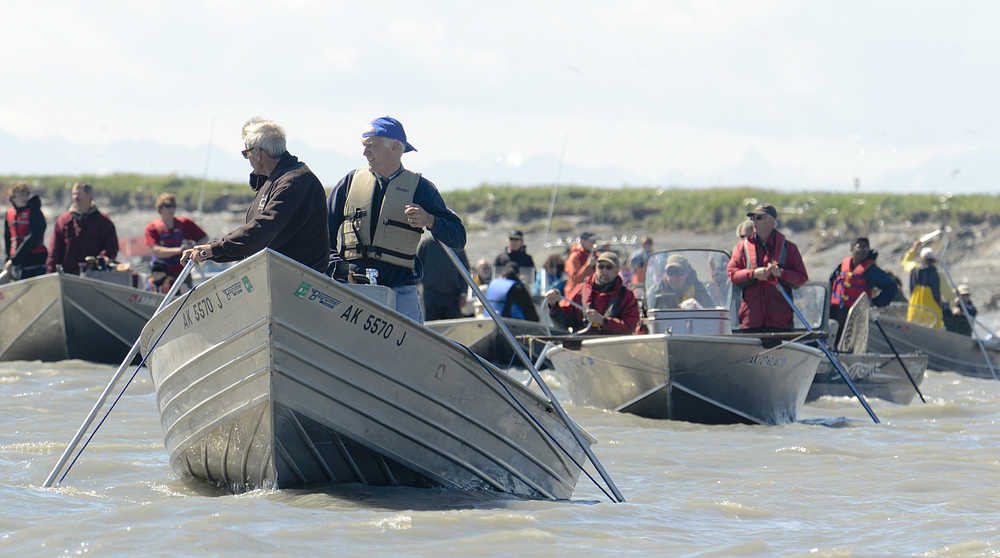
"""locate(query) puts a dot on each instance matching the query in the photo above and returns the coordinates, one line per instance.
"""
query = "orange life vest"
(19, 226)
(850, 283)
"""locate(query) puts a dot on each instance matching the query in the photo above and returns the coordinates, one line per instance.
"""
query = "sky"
(888, 95)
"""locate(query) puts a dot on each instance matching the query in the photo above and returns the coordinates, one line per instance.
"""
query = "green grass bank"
(651, 209)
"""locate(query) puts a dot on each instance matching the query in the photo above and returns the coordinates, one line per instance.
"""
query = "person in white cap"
(966, 298)
(926, 305)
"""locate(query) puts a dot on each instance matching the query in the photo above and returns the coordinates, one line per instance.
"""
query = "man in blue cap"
(378, 213)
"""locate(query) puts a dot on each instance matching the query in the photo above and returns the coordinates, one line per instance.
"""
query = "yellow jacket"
(912, 260)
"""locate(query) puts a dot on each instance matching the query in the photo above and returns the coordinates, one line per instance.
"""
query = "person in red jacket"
(611, 306)
(23, 234)
(581, 262)
(166, 235)
(761, 264)
(80, 232)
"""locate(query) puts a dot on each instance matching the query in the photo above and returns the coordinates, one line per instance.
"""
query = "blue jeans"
(408, 303)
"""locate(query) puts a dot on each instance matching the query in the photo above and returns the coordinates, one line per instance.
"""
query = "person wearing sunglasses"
(288, 213)
(611, 308)
(679, 286)
(515, 252)
(166, 236)
(762, 263)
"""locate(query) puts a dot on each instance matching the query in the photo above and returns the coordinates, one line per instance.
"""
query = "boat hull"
(276, 376)
(946, 351)
(61, 316)
(696, 378)
(484, 337)
(875, 375)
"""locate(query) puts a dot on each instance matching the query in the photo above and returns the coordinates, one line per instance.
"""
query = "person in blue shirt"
(855, 275)
(378, 213)
(508, 295)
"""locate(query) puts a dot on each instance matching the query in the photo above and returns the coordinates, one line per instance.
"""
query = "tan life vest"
(395, 242)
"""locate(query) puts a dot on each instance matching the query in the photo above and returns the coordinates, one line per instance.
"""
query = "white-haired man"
(378, 213)
(287, 215)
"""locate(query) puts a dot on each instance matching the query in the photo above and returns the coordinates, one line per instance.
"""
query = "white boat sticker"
(204, 307)
(378, 327)
(769, 360)
(143, 299)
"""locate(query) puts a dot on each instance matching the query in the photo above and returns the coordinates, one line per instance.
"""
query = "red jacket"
(621, 321)
(77, 236)
(578, 268)
(762, 304)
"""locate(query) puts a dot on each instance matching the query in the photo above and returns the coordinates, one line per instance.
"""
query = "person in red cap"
(761, 264)
(377, 213)
(611, 306)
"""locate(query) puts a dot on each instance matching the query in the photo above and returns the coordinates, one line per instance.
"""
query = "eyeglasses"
(605, 266)
(246, 152)
(760, 217)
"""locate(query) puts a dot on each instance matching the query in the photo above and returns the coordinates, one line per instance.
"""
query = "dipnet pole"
(965, 311)
(833, 360)
(531, 368)
(114, 379)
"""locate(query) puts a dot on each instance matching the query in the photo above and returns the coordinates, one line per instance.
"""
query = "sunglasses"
(168, 206)
(246, 152)
(675, 271)
(605, 266)
(760, 217)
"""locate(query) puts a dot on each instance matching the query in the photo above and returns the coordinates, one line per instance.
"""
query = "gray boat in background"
(946, 351)
(273, 375)
(63, 316)
(690, 366)
(484, 337)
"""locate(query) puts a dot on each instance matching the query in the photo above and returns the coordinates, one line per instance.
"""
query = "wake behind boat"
(274, 375)
(61, 316)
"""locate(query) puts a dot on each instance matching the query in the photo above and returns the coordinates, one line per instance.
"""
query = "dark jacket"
(622, 320)
(23, 255)
(78, 235)
(440, 276)
(447, 228)
(507, 294)
(874, 276)
(521, 258)
(288, 215)
(762, 304)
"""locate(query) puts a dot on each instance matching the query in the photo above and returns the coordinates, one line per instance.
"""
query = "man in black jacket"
(515, 252)
(288, 214)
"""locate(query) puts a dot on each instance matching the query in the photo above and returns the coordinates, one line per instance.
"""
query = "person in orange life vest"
(858, 274)
(159, 281)
(581, 262)
(639, 259)
(166, 235)
(24, 234)
(611, 306)
(761, 264)
(80, 232)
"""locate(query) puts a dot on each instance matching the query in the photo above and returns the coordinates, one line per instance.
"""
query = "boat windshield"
(688, 279)
(812, 299)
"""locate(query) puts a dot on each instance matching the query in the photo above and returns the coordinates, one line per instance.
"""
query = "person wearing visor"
(515, 252)
(611, 307)
(287, 215)
(762, 263)
(376, 215)
(24, 234)
(858, 274)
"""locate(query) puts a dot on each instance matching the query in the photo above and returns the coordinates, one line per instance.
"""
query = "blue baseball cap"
(388, 127)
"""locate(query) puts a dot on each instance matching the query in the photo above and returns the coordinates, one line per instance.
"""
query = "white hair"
(264, 134)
